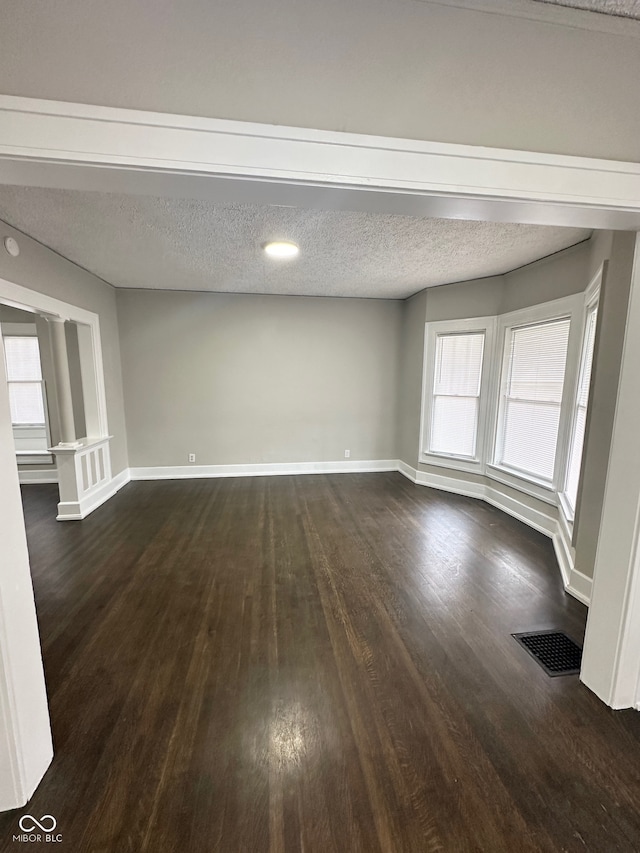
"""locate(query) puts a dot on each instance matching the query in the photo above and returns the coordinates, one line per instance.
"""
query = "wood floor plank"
(317, 663)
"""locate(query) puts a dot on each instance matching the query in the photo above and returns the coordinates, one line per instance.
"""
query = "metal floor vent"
(556, 653)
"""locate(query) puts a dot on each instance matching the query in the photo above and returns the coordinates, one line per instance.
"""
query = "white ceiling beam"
(76, 146)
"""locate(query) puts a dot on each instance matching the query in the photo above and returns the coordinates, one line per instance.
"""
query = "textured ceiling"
(145, 242)
(621, 8)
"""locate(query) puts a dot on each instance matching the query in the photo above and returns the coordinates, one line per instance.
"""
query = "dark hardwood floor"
(318, 663)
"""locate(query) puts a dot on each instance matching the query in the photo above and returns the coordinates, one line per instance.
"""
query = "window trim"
(485, 325)
(569, 307)
(591, 301)
(25, 331)
(495, 329)
(24, 457)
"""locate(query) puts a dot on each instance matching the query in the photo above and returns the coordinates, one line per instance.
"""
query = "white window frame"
(26, 457)
(591, 301)
(569, 307)
(18, 330)
(485, 325)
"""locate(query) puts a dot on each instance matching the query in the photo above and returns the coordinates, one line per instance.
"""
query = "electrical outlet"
(192, 457)
(347, 454)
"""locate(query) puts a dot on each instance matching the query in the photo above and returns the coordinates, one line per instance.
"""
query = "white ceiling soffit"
(618, 8)
(180, 244)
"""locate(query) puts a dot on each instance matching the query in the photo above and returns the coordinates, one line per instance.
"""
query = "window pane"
(530, 436)
(537, 358)
(537, 361)
(25, 400)
(23, 359)
(456, 389)
(454, 426)
(575, 455)
(459, 364)
(580, 415)
(587, 358)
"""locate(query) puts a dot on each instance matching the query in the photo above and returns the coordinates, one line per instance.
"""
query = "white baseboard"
(77, 510)
(580, 586)
(263, 469)
(37, 475)
(457, 485)
(575, 583)
(535, 518)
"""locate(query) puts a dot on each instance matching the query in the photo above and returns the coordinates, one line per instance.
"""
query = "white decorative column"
(63, 382)
(84, 467)
(611, 657)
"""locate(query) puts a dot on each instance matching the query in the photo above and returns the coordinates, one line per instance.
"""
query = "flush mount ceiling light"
(281, 249)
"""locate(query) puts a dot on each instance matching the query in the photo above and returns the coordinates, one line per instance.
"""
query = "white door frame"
(25, 736)
(75, 146)
(89, 342)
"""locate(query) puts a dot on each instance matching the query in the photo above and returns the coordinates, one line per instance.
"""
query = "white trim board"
(28, 476)
(77, 510)
(575, 583)
(88, 323)
(263, 469)
(79, 146)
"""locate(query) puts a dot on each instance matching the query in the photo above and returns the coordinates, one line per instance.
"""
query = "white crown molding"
(577, 19)
(77, 146)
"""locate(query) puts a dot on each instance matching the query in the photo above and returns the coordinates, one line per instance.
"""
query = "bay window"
(535, 358)
(456, 393)
(498, 394)
(458, 358)
(574, 461)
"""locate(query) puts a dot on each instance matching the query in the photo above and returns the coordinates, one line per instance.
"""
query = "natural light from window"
(24, 379)
(580, 414)
(535, 361)
(456, 394)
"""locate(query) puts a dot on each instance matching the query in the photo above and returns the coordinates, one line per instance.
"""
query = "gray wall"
(612, 316)
(562, 274)
(410, 377)
(253, 379)
(38, 268)
(480, 297)
(8, 314)
(421, 70)
(75, 378)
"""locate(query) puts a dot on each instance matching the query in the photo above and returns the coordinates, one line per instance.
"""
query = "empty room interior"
(319, 462)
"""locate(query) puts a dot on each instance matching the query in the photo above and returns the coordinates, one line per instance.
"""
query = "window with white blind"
(456, 393)
(574, 462)
(24, 380)
(534, 364)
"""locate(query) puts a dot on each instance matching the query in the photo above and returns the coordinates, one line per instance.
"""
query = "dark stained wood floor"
(317, 663)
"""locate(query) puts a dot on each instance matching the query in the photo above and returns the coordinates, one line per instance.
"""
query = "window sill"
(523, 483)
(456, 463)
(566, 509)
(34, 457)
